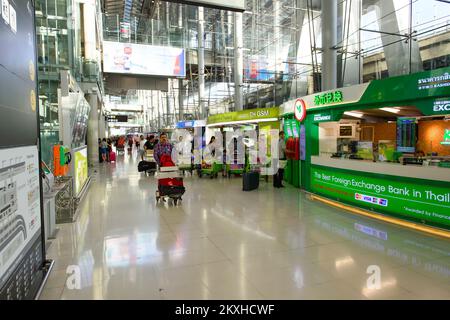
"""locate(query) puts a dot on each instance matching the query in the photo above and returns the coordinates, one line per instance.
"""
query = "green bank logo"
(300, 110)
(446, 137)
(328, 98)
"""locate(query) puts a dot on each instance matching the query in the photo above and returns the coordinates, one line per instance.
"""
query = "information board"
(406, 134)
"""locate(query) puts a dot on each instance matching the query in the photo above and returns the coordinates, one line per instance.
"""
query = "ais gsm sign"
(300, 110)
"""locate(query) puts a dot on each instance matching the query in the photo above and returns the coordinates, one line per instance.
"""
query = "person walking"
(100, 159)
(150, 143)
(141, 147)
(109, 144)
(212, 146)
(164, 147)
(104, 148)
(278, 177)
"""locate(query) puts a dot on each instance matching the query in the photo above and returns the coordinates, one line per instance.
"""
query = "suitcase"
(250, 181)
(171, 182)
(112, 156)
(146, 166)
(171, 186)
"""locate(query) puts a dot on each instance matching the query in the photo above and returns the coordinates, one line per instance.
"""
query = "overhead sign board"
(117, 118)
(142, 59)
(191, 124)
(231, 5)
(244, 116)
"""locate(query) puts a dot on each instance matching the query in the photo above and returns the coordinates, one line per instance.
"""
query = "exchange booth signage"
(244, 115)
(411, 198)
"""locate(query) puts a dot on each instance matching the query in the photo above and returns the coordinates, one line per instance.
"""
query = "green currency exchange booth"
(382, 146)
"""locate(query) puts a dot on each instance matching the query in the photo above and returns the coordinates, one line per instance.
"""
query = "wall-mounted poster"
(80, 169)
(19, 205)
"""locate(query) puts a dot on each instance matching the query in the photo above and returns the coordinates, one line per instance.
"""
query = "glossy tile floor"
(222, 243)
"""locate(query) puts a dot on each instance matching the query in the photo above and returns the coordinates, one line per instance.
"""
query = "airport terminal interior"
(225, 150)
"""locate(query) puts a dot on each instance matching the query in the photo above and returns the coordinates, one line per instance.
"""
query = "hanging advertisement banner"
(414, 198)
(257, 69)
(302, 142)
(141, 59)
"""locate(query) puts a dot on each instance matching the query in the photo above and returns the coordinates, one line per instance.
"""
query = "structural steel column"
(180, 100)
(201, 62)
(238, 62)
(329, 40)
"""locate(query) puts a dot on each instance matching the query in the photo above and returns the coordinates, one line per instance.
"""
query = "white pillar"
(90, 39)
(92, 133)
(329, 40)
(238, 61)
(201, 62)
(101, 126)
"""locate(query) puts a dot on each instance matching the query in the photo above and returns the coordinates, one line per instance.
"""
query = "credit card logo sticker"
(370, 199)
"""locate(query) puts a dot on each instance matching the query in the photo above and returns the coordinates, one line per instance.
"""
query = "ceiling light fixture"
(391, 110)
(354, 114)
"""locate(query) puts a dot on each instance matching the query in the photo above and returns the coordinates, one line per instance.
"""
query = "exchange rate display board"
(21, 245)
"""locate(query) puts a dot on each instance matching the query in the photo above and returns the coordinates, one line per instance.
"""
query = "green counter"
(423, 201)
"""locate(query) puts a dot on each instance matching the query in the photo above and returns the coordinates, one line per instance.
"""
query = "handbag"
(282, 164)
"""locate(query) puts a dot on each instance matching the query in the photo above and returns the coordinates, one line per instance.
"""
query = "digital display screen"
(117, 118)
(346, 131)
(132, 58)
(406, 134)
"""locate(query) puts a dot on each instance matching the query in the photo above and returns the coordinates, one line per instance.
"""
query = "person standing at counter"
(278, 177)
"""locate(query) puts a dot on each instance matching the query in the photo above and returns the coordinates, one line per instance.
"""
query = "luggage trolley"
(151, 162)
(170, 182)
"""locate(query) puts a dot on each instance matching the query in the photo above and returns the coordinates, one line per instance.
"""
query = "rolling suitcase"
(146, 165)
(112, 156)
(171, 186)
(250, 181)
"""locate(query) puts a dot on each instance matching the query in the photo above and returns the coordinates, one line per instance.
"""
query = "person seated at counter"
(419, 154)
